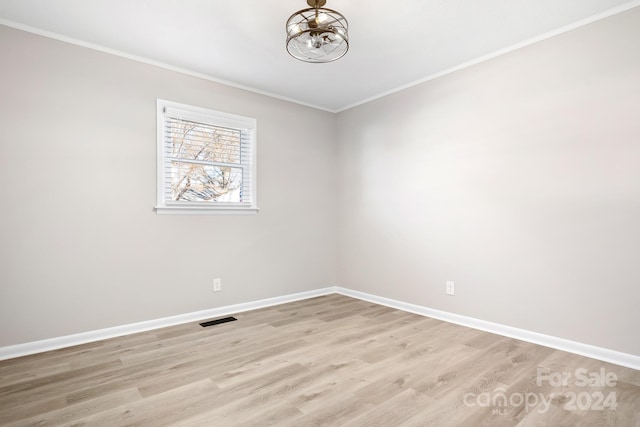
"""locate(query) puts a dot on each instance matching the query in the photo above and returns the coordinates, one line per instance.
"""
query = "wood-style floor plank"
(326, 361)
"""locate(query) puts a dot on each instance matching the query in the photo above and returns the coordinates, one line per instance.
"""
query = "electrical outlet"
(451, 290)
(217, 285)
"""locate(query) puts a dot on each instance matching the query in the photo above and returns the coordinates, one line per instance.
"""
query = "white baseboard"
(18, 350)
(599, 353)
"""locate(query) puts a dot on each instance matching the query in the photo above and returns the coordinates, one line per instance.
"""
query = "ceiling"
(393, 44)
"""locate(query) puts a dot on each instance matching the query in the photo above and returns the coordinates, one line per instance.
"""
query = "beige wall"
(518, 178)
(80, 245)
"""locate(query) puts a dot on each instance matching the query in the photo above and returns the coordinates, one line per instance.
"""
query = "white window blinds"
(206, 160)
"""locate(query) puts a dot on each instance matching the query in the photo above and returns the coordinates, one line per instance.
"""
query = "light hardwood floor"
(331, 360)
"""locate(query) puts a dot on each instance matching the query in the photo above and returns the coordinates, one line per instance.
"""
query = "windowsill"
(195, 210)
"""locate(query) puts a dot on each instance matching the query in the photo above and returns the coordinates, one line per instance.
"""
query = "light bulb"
(294, 29)
(315, 42)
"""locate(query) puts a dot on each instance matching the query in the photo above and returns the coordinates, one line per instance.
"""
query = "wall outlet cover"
(450, 289)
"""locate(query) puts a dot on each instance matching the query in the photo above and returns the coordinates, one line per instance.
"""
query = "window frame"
(246, 125)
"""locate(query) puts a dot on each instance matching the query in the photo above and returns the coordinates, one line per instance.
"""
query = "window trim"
(216, 118)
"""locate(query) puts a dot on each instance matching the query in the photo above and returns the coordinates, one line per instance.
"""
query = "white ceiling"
(392, 43)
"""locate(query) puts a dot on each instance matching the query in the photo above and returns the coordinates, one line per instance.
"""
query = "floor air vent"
(217, 321)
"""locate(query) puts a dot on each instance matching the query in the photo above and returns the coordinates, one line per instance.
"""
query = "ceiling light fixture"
(317, 34)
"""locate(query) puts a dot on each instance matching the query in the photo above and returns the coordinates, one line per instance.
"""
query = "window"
(206, 161)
